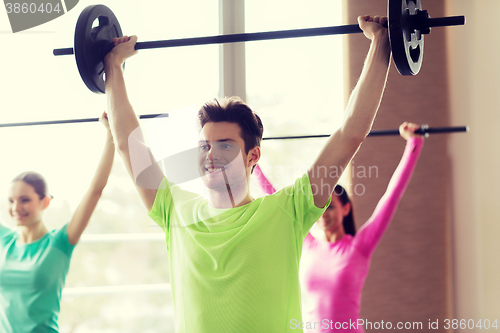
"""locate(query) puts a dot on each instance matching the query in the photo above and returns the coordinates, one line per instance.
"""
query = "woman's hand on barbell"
(103, 119)
(407, 130)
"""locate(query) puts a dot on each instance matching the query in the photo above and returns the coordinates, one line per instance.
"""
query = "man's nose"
(213, 153)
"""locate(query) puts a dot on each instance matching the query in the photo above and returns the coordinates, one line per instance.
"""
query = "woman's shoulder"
(5, 230)
(59, 238)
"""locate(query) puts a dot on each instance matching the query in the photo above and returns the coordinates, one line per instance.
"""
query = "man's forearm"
(366, 96)
(122, 118)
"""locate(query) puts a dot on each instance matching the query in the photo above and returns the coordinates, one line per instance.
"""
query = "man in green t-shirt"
(233, 258)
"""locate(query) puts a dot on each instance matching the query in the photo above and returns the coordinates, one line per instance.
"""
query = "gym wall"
(474, 86)
(411, 273)
(440, 257)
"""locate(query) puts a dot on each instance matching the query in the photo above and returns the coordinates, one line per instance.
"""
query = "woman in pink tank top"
(335, 260)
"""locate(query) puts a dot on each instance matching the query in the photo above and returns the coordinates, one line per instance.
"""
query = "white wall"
(474, 91)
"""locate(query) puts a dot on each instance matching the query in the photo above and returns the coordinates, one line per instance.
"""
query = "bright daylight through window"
(119, 275)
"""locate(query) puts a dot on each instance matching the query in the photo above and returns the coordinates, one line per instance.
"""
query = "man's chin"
(214, 183)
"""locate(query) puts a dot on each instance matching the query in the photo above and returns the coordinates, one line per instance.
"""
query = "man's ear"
(253, 157)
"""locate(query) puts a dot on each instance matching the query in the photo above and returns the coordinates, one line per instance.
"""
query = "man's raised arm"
(127, 133)
(360, 112)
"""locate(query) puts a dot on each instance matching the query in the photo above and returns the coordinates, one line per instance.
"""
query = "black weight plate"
(407, 44)
(92, 44)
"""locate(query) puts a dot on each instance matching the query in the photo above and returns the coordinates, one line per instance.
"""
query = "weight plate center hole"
(415, 54)
(95, 24)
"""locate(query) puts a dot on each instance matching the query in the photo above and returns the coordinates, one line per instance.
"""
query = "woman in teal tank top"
(34, 262)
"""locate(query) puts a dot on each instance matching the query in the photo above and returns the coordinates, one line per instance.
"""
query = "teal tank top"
(31, 280)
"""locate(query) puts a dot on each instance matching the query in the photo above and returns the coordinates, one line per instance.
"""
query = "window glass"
(116, 283)
(295, 85)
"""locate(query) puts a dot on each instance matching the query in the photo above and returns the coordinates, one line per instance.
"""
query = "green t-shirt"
(236, 270)
(31, 281)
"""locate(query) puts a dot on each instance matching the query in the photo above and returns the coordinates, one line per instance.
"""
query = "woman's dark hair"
(348, 221)
(36, 180)
(234, 110)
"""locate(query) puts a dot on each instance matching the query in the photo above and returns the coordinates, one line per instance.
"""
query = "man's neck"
(235, 195)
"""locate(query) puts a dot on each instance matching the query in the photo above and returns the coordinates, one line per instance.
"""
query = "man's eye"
(204, 147)
(26, 200)
(226, 146)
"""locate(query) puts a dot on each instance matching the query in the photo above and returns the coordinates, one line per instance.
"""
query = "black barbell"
(424, 129)
(407, 23)
(73, 121)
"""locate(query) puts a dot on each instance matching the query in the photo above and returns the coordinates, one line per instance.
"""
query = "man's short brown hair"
(234, 110)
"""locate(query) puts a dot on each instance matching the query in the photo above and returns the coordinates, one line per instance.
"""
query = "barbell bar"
(268, 35)
(424, 129)
(407, 23)
(73, 121)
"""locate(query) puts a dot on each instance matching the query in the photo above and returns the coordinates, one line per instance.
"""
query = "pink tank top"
(333, 274)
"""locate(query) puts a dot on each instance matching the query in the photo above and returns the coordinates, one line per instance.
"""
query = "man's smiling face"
(222, 155)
